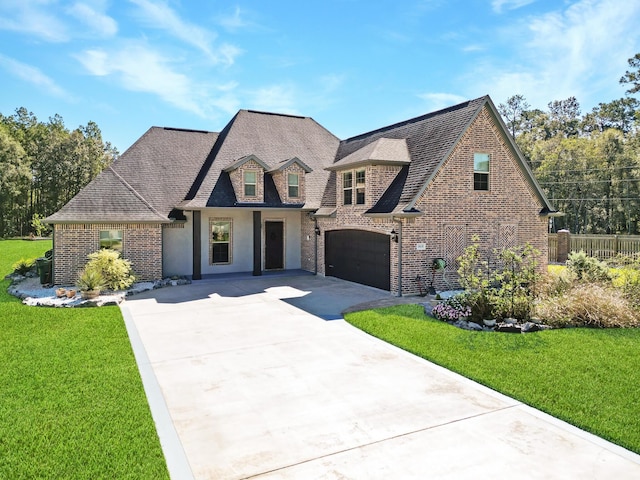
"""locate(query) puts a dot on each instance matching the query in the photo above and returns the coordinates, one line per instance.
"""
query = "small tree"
(39, 228)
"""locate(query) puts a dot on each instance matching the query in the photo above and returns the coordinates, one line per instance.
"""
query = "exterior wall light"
(394, 235)
(317, 230)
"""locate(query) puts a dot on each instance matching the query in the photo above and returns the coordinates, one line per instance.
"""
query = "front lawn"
(587, 377)
(72, 403)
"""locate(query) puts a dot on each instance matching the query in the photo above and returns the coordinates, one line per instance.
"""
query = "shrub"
(480, 304)
(588, 305)
(452, 309)
(115, 271)
(91, 279)
(587, 269)
(505, 288)
(627, 280)
(555, 282)
(24, 265)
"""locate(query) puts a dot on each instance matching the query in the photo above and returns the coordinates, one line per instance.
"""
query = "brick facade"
(237, 180)
(281, 180)
(142, 245)
(453, 212)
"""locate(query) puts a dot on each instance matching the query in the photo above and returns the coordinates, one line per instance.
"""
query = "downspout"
(399, 256)
(315, 246)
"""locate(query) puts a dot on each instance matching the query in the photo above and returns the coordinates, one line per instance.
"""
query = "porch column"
(197, 246)
(257, 243)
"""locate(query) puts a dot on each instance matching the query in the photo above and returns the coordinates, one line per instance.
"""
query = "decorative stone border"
(32, 293)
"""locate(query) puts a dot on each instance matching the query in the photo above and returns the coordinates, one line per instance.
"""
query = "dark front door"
(273, 245)
(358, 256)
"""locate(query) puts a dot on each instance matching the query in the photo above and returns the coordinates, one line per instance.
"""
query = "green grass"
(72, 403)
(587, 377)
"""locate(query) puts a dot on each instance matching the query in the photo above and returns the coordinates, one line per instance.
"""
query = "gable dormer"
(364, 175)
(247, 178)
(289, 178)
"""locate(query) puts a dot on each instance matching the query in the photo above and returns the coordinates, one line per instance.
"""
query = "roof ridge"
(290, 115)
(189, 130)
(134, 191)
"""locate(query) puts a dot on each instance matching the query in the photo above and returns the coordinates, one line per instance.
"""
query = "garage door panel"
(358, 256)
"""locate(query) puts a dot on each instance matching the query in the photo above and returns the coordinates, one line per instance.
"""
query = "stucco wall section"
(177, 249)
(242, 238)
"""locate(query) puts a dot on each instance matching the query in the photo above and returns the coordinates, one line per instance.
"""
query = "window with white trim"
(360, 187)
(347, 188)
(250, 183)
(220, 241)
(481, 171)
(293, 182)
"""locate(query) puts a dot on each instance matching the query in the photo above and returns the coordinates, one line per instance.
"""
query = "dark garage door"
(358, 256)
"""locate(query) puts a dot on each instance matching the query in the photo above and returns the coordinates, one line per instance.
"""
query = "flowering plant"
(452, 309)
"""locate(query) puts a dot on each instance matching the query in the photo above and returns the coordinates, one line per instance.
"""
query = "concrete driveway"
(253, 377)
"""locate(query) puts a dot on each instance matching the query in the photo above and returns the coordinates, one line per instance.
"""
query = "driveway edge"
(174, 453)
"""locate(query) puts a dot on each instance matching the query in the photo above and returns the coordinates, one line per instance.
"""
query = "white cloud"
(437, 101)
(275, 98)
(331, 82)
(473, 48)
(32, 18)
(581, 51)
(158, 14)
(98, 21)
(234, 21)
(34, 76)
(498, 5)
(139, 68)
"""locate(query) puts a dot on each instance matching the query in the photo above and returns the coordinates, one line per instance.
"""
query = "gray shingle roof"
(146, 183)
(382, 151)
(272, 138)
(430, 139)
(108, 198)
(171, 168)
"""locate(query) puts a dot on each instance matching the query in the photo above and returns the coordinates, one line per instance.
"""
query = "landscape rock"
(489, 323)
(508, 328)
(32, 293)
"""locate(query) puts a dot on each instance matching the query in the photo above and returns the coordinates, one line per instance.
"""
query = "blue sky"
(352, 65)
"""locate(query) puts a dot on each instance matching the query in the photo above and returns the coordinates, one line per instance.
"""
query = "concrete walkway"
(257, 378)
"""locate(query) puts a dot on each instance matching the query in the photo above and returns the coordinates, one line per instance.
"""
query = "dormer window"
(293, 182)
(250, 183)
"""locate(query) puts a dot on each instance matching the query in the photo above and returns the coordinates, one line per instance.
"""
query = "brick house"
(278, 192)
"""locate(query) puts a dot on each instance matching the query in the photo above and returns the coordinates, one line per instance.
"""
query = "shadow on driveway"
(324, 297)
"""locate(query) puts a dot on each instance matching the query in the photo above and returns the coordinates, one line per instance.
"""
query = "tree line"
(42, 166)
(587, 164)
